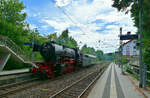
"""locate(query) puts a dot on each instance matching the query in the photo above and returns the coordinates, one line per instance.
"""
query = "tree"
(12, 20)
(11, 11)
(122, 5)
(65, 33)
(64, 39)
(13, 25)
(99, 54)
(53, 37)
(85, 49)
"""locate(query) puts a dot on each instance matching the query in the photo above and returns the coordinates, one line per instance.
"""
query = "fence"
(135, 71)
(5, 41)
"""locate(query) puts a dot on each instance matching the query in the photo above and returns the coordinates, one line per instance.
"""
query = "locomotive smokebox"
(48, 52)
(51, 51)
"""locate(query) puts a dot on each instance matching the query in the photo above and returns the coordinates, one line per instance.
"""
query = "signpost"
(125, 37)
(128, 37)
(27, 43)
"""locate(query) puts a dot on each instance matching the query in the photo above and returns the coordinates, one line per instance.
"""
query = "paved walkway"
(113, 84)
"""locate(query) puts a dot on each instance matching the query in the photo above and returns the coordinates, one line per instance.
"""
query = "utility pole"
(120, 50)
(145, 76)
(140, 55)
(32, 48)
(35, 30)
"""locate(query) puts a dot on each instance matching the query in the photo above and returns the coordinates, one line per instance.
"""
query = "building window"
(134, 47)
(134, 41)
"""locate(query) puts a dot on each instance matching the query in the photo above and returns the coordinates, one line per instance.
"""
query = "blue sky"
(89, 21)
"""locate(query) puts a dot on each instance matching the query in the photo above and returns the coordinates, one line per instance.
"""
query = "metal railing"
(135, 70)
(5, 41)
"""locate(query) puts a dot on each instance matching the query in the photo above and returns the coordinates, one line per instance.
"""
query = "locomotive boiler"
(59, 59)
(51, 52)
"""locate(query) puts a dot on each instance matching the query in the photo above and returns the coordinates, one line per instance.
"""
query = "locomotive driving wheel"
(57, 70)
(44, 74)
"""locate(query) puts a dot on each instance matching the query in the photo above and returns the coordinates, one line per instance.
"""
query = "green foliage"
(38, 57)
(109, 57)
(37, 38)
(11, 11)
(64, 39)
(13, 25)
(65, 34)
(122, 5)
(12, 20)
(124, 60)
(146, 54)
(52, 37)
(12, 64)
(89, 50)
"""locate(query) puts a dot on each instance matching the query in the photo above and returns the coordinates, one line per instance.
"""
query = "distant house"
(129, 49)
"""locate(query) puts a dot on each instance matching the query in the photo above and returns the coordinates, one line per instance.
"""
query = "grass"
(130, 70)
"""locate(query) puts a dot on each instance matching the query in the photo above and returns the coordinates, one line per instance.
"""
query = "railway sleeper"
(79, 89)
(70, 95)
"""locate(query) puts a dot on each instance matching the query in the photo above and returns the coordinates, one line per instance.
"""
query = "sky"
(92, 22)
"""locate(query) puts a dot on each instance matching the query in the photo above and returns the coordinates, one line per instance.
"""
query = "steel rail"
(91, 83)
(66, 88)
(17, 83)
(70, 86)
(6, 80)
(6, 89)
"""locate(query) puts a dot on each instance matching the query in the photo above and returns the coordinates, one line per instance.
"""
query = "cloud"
(59, 26)
(62, 2)
(85, 14)
(32, 26)
(89, 21)
(45, 27)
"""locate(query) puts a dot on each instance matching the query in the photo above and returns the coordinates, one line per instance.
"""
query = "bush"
(13, 64)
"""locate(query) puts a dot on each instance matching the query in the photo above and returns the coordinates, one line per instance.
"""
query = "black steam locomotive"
(59, 59)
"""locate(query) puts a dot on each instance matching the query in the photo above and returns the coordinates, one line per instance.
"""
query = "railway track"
(4, 80)
(78, 88)
(5, 90)
(47, 88)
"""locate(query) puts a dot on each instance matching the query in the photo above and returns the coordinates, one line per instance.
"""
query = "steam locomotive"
(59, 59)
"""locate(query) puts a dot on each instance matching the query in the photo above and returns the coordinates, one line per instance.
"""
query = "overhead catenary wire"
(76, 22)
(69, 17)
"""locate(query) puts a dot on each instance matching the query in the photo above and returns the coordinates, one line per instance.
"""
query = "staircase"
(9, 49)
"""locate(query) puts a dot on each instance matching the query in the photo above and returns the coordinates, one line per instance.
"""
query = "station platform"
(4, 73)
(113, 84)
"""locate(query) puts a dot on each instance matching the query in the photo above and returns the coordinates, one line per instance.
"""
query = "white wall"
(130, 49)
